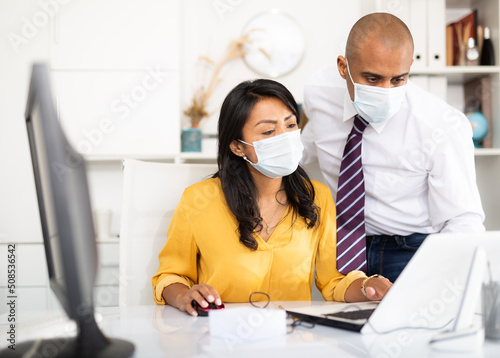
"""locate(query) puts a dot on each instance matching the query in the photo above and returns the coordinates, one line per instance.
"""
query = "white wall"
(19, 220)
(206, 29)
(72, 36)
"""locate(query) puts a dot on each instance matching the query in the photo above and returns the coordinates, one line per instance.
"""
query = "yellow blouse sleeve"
(179, 255)
(331, 283)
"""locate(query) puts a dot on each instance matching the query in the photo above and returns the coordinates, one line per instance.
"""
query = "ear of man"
(342, 66)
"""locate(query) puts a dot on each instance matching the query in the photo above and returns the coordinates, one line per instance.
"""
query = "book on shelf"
(457, 36)
(481, 91)
(449, 45)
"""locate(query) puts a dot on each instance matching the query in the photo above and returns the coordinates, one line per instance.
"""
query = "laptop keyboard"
(359, 314)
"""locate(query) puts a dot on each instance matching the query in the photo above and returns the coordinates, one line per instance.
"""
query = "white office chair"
(151, 192)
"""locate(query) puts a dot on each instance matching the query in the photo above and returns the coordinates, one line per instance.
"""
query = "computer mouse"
(203, 311)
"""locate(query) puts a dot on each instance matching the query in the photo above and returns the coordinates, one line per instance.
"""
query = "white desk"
(162, 331)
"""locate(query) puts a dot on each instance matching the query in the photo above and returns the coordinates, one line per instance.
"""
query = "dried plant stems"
(197, 110)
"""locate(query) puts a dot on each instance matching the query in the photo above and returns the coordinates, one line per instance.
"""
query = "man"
(416, 156)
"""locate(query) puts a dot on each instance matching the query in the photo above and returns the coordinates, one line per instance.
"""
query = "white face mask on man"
(278, 156)
(376, 104)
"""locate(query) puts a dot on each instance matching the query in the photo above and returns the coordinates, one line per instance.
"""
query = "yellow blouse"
(203, 247)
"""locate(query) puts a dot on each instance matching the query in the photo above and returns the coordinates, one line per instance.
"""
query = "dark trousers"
(388, 255)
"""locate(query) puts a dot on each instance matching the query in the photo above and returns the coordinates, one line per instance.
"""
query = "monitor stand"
(89, 342)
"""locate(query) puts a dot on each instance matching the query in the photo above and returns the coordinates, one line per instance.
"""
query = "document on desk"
(247, 323)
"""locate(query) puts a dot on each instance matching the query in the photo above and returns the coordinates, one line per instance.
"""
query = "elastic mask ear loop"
(242, 141)
(245, 157)
(248, 160)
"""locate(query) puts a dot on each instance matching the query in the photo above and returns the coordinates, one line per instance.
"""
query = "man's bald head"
(385, 28)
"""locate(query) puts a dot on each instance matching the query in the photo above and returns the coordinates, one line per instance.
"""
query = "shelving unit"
(427, 20)
(176, 158)
(487, 159)
(459, 74)
(481, 152)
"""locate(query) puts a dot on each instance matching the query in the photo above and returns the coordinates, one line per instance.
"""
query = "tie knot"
(359, 125)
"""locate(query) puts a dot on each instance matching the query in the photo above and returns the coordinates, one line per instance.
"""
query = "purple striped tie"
(351, 235)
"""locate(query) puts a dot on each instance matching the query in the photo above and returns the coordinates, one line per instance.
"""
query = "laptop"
(429, 293)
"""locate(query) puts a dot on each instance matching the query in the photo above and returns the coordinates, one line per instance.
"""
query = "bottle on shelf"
(472, 54)
(487, 53)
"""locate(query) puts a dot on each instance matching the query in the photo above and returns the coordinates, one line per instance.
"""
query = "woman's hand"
(181, 296)
(377, 287)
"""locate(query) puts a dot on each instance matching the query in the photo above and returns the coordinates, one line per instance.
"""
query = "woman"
(260, 224)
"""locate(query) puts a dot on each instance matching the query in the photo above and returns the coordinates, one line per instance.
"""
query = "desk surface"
(163, 331)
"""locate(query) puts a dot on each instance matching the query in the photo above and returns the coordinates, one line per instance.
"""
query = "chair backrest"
(151, 192)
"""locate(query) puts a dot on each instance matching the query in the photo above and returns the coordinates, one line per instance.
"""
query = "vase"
(191, 140)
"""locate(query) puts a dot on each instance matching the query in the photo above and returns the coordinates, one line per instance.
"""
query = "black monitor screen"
(64, 204)
(46, 204)
(67, 227)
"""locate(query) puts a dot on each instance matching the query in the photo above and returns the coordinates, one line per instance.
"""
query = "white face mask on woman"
(377, 104)
(278, 156)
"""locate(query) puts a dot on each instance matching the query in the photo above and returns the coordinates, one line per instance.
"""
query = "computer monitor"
(67, 227)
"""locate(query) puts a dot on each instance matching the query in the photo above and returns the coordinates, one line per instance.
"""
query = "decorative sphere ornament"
(479, 127)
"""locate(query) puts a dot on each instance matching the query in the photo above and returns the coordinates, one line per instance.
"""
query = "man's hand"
(376, 288)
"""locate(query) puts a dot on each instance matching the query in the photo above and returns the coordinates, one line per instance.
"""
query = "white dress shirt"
(418, 165)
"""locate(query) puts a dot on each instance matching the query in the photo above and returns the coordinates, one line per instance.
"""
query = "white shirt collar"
(350, 111)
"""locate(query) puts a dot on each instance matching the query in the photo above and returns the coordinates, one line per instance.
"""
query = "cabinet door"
(116, 34)
(436, 33)
(414, 14)
(28, 300)
(426, 21)
(119, 113)
(107, 282)
(31, 268)
(418, 24)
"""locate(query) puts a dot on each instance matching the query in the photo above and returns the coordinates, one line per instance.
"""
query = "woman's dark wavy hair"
(237, 183)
